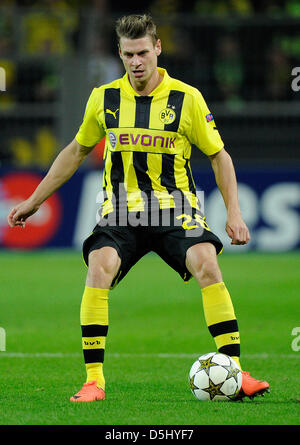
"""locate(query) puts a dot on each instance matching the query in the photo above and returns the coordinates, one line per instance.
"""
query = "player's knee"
(208, 272)
(203, 264)
(103, 267)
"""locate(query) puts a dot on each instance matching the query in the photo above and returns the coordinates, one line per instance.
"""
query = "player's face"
(139, 57)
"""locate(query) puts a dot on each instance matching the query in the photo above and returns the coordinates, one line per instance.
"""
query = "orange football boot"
(89, 393)
(252, 387)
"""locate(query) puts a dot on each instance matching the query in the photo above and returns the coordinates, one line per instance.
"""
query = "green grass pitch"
(156, 331)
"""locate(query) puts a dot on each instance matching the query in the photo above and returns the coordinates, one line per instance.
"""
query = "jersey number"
(187, 219)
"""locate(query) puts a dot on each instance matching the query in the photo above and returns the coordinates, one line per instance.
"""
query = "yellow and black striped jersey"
(148, 140)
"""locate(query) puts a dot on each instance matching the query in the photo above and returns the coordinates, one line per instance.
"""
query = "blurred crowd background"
(239, 53)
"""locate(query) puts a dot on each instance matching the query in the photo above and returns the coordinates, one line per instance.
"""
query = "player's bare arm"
(226, 181)
(63, 167)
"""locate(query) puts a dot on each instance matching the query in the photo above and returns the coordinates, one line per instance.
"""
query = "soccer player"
(150, 121)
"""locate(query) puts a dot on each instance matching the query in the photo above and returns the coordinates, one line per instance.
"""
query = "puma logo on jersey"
(114, 113)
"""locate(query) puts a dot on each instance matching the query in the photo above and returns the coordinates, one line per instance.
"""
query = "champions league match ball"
(215, 376)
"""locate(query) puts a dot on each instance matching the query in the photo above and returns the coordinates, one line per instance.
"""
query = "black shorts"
(169, 237)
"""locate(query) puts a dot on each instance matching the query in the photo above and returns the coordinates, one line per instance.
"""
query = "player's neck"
(145, 88)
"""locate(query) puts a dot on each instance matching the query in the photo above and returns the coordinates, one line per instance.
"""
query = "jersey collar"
(163, 84)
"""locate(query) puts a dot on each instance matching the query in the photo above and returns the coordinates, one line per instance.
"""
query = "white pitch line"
(262, 355)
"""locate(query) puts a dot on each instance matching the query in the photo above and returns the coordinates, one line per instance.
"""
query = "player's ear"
(158, 47)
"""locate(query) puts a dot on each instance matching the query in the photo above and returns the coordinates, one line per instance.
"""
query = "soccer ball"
(215, 376)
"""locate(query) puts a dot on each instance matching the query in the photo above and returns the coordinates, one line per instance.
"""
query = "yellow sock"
(237, 360)
(221, 320)
(94, 327)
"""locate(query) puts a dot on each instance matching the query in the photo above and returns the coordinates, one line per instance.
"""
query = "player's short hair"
(136, 26)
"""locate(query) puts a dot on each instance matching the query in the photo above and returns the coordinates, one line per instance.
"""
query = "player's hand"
(237, 231)
(19, 214)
